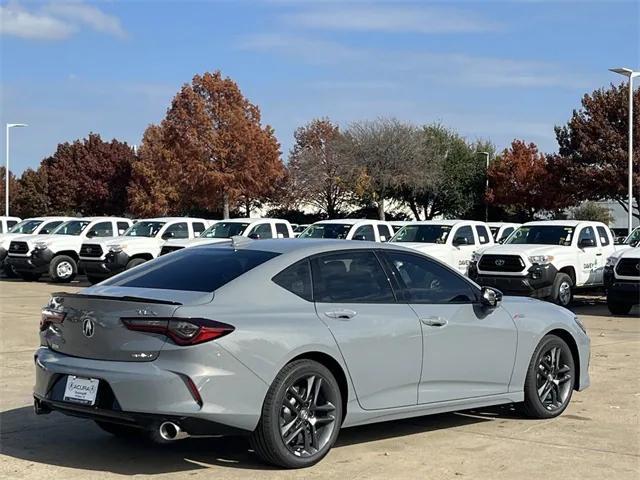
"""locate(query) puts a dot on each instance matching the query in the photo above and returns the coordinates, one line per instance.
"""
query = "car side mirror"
(587, 242)
(167, 235)
(254, 236)
(490, 297)
(91, 234)
(359, 237)
(460, 241)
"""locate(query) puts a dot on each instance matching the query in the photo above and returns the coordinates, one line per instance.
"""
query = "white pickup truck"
(30, 256)
(622, 280)
(7, 223)
(141, 242)
(547, 259)
(450, 241)
(502, 230)
(350, 229)
(29, 226)
(223, 230)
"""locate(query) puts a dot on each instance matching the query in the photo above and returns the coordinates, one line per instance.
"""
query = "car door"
(100, 229)
(468, 351)
(463, 251)
(588, 255)
(380, 339)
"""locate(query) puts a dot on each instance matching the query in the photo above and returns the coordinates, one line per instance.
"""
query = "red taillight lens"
(183, 331)
(49, 317)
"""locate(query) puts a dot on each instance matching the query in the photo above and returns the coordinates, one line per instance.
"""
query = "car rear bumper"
(537, 283)
(624, 292)
(37, 262)
(142, 393)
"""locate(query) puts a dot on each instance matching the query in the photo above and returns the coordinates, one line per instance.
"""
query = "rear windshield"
(196, 269)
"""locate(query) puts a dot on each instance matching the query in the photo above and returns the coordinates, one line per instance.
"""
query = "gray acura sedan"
(287, 341)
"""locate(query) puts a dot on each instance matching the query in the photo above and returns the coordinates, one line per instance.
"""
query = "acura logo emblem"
(88, 327)
(499, 262)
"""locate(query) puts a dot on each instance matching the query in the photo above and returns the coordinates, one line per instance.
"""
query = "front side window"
(261, 231)
(26, 227)
(102, 229)
(483, 235)
(423, 234)
(542, 235)
(604, 236)
(145, 229)
(225, 230)
(296, 279)
(122, 227)
(365, 232)
(634, 238)
(192, 269)
(177, 230)
(282, 230)
(327, 230)
(72, 227)
(464, 236)
(350, 277)
(505, 233)
(587, 235)
(425, 281)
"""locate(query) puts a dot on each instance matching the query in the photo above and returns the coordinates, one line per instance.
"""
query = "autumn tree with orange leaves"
(210, 152)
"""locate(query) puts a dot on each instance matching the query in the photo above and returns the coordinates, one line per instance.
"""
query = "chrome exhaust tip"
(169, 431)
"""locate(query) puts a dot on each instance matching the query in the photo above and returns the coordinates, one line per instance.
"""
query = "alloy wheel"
(64, 269)
(307, 415)
(564, 293)
(553, 378)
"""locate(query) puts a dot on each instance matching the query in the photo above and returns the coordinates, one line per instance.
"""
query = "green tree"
(591, 211)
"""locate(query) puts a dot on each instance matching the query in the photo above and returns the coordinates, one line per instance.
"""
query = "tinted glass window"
(465, 233)
(542, 235)
(327, 230)
(195, 269)
(122, 227)
(634, 238)
(506, 232)
(296, 279)
(426, 281)
(282, 230)
(102, 229)
(483, 234)
(49, 227)
(365, 232)
(350, 277)
(10, 224)
(423, 234)
(225, 230)
(262, 231)
(198, 228)
(26, 226)
(385, 234)
(177, 230)
(494, 232)
(604, 236)
(72, 227)
(586, 234)
(144, 229)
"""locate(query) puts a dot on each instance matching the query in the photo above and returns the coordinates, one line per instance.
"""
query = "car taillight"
(49, 317)
(183, 331)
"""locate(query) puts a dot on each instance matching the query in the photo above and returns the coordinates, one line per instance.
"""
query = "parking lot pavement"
(597, 437)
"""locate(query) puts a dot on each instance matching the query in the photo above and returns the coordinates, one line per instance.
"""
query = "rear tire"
(550, 379)
(301, 416)
(618, 308)
(63, 269)
(121, 431)
(135, 262)
(562, 290)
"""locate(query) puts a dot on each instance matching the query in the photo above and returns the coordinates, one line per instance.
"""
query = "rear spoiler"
(125, 298)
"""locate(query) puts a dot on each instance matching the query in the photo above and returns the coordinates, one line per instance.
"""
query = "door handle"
(434, 321)
(598, 254)
(341, 314)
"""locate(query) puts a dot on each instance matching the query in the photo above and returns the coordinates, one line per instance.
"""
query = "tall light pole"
(627, 72)
(6, 173)
(486, 187)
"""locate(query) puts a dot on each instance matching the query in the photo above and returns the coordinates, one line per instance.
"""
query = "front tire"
(63, 269)
(550, 379)
(618, 308)
(301, 416)
(134, 263)
(562, 290)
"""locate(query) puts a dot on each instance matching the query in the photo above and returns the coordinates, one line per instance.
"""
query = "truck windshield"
(542, 235)
(423, 234)
(26, 226)
(634, 238)
(327, 230)
(72, 227)
(225, 230)
(144, 229)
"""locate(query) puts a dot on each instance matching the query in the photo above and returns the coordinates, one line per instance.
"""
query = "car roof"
(564, 223)
(446, 222)
(349, 221)
(170, 219)
(251, 220)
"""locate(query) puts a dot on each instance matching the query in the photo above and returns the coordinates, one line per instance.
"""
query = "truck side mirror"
(587, 242)
(460, 241)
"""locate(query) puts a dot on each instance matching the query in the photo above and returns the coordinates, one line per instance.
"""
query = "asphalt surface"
(597, 437)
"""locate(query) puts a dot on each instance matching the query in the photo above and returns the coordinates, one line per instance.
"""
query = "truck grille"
(90, 250)
(628, 267)
(167, 249)
(19, 248)
(501, 263)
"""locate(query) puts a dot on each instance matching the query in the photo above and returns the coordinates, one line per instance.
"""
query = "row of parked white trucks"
(543, 259)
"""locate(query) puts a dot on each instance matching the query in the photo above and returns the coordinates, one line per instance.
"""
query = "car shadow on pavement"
(58, 440)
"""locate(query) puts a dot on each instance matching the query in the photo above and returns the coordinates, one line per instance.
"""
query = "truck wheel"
(135, 262)
(618, 308)
(63, 269)
(562, 290)
(28, 276)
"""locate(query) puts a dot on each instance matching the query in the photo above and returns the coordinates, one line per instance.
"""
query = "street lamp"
(486, 188)
(6, 173)
(627, 72)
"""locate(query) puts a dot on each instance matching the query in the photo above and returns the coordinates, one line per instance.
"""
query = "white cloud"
(388, 18)
(56, 21)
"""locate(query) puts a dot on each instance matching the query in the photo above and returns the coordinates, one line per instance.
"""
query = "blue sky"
(492, 70)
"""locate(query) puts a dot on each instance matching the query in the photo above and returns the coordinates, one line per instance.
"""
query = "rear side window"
(261, 231)
(604, 236)
(122, 227)
(385, 234)
(198, 228)
(10, 224)
(296, 279)
(483, 234)
(102, 229)
(192, 269)
(282, 230)
(365, 232)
